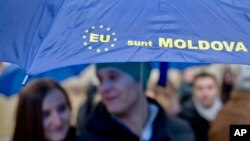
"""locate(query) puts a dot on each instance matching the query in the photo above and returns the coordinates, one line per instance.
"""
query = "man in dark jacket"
(125, 113)
(204, 106)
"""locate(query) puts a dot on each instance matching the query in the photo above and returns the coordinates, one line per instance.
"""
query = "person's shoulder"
(180, 129)
(188, 105)
(71, 135)
(188, 110)
(89, 136)
(175, 123)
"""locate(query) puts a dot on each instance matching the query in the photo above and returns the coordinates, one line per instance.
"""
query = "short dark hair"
(29, 125)
(202, 75)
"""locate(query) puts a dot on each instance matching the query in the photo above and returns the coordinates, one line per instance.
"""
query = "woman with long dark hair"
(43, 113)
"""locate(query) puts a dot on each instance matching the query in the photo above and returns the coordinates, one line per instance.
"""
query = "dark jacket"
(71, 136)
(102, 127)
(199, 124)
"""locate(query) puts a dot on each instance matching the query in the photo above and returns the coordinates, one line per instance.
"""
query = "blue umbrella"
(44, 35)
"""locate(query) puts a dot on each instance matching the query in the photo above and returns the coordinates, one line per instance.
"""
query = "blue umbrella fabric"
(183, 66)
(41, 35)
(11, 79)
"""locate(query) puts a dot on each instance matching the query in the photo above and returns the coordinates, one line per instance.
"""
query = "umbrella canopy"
(12, 78)
(43, 35)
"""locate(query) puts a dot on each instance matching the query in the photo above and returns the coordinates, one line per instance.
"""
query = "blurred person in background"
(168, 99)
(125, 114)
(185, 90)
(43, 113)
(227, 84)
(204, 106)
(162, 90)
(86, 110)
(237, 109)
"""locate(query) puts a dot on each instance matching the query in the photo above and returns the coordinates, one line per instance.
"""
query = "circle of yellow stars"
(99, 49)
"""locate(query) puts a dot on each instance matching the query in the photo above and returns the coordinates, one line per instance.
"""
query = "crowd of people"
(123, 105)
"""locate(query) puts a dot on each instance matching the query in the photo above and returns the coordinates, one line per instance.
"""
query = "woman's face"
(56, 116)
(119, 90)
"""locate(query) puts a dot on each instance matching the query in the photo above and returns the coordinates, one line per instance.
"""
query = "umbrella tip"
(25, 80)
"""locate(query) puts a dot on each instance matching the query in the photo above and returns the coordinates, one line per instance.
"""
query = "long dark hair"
(29, 121)
(227, 84)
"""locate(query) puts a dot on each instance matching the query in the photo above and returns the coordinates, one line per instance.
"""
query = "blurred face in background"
(118, 89)
(56, 116)
(229, 77)
(205, 91)
(188, 76)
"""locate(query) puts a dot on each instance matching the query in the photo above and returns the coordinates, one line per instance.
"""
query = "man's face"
(118, 89)
(205, 90)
